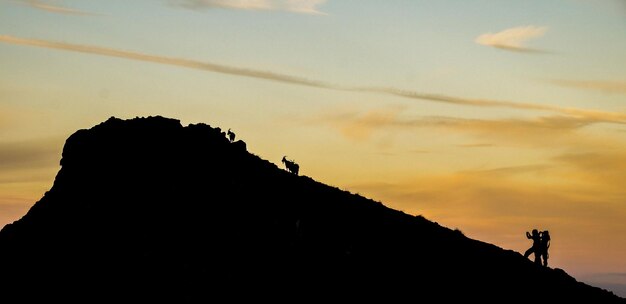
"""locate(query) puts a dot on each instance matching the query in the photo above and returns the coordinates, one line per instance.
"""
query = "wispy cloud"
(391, 118)
(497, 193)
(554, 131)
(544, 123)
(476, 145)
(618, 87)
(26, 170)
(597, 167)
(579, 114)
(513, 39)
(613, 117)
(41, 5)
(29, 154)
(295, 6)
(206, 66)
(546, 132)
(509, 171)
(359, 127)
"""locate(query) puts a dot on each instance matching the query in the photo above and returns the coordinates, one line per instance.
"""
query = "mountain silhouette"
(147, 209)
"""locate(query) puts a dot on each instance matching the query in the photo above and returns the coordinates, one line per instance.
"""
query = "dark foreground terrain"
(148, 210)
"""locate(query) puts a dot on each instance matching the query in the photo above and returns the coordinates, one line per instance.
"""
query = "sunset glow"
(493, 117)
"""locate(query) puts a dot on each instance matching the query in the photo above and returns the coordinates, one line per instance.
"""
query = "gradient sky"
(493, 117)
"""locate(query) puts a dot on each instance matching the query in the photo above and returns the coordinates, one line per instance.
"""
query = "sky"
(491, 117)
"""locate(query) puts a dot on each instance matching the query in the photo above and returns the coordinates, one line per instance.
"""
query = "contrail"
(53, 8)
(595, 115)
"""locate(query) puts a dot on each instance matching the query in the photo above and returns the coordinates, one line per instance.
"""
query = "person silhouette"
(536, 247)
(545, 244)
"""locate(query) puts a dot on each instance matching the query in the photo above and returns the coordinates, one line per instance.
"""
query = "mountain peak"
(148, 209)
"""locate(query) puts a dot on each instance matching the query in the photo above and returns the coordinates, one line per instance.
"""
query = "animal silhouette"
(231, 135)
(291, 165)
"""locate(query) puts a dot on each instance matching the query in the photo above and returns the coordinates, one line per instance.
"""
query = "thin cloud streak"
(391, 118)
(294, 6)
(30, 154)
(206, 66)
(520, 49)
(592, 115)
(509, 171)
(545, 132)
(513, 39)
(600, 116)
(55, 8)
(499, 193)
(603, 168)
(548, 131)
(601, 86)
(478, 145)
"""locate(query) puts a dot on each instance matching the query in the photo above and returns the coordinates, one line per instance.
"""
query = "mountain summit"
(146, 209)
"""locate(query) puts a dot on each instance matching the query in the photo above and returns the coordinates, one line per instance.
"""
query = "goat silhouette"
(231, 135)
(291, 165)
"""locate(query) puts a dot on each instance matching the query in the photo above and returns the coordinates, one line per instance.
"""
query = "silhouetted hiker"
(291, 165)
(545, 244)
(536, 247)
(231, 135)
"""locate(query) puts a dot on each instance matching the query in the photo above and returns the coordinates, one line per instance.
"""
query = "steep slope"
(146, 209)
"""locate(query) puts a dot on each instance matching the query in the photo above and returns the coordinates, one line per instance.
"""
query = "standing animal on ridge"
(231, 135)
(291, 165)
